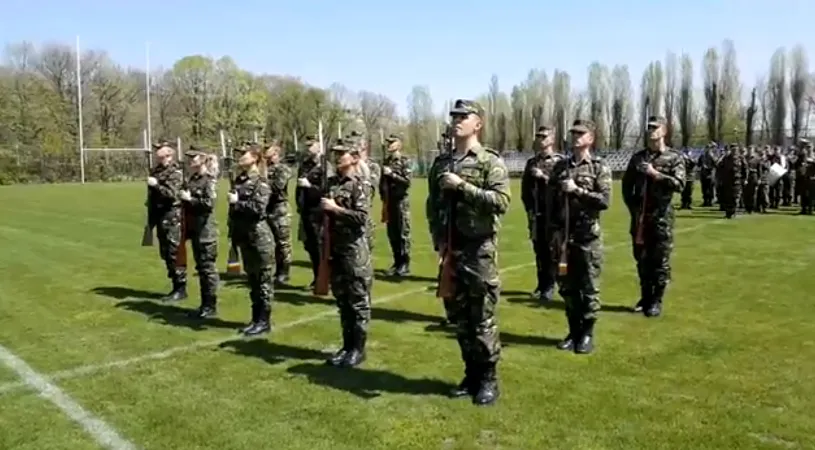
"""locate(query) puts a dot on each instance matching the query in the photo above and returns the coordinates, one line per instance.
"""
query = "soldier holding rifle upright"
(307, 194)
(584, 184)
(278, 214)
(164, 206)
(469, 199)
(652, 177)
(395, 191)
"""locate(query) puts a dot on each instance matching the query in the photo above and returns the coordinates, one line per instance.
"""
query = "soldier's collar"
(587, 158)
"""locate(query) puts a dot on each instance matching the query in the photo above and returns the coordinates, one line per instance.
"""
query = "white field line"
(102, 432)
(163, 354)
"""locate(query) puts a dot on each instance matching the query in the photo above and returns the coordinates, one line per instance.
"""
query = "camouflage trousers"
(749, 195)
(370, 231)
(546, 262)
(399, 230)
(787, 188)
(477, 288)
(687, 194)
(168, 232)
(729, 198)
(580, 286)
(206, 254)
(707, 191)
(654, 256)
(762, 197)
(310, 233)
(279, 220)
(257, 253)
(351, 282)
(807, 190)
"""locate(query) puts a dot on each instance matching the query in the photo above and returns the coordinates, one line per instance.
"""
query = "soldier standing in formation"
(707, 168)
(307, 194)
(372, 174)
(731, 175)
(753, 163)
(584, 191)
(538, 197)
(806, 182)
(348, 207)
(394, 190)
(652, 177)
(250, 231)
(165, 213)
(687, 191)
(762, 194)
(477, 184)
(277, 211)
(202, 228)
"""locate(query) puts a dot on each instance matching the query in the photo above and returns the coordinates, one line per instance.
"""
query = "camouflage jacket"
(754, 169)
(532, 187)
(733, 169)
(690, 167)
(278, 177)
(202, 223)
(348, 226)
(163, 197)
(707, 165)
(593, 176)
(396, 185)
(660, 190)
(249, 212)
(308, 198)
(478, 203)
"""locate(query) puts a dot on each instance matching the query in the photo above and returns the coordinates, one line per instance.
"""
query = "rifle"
(233, 261)
(384, 185)
(639, 237)
(563, 264)
(181, 255)
(323, 281)
(147, 236)
(448, 266)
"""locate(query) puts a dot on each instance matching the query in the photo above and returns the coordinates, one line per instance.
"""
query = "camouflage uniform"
(707, 168)
(687, 191)
(537, 196)
(374, 176)
(654, 255)
(279, 218)
(166, 213)
(807, 179)
(753, 172)
(437, 168)
(578, 220)
(394, 190)
(251, 232)
(202, 229)
(762, 191)
(308, 206)
(351, 268)
(733, 172)
(478, 205)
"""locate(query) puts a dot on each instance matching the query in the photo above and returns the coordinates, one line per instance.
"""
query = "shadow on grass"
(507, 339)
(381, 275)
(174, 315)
(369, 383)
(296, 298)
(121, 293)
(271, 352)
(560, 306)
(401, 316)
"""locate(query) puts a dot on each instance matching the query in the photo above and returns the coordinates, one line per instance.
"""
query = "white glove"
(387, 170)
(537, 173)
(232, 197)
(303, 182)
(151, 181)
(569, 185)
(185, 195)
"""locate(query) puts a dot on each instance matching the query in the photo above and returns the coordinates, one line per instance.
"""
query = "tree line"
(198, 97)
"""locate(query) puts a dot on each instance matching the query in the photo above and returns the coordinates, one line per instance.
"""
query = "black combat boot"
(340, 355)
(646, 293)
(207, 308)
(404, 267)
(547, 293)
(469, 384)
(488, 391)
(568, 342)
(263, 324)
(357, 354)
(655, 307)
(179, 291)
(282, 275)
(393, 270)
(585, 344)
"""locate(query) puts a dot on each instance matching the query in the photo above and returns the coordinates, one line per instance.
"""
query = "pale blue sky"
(453, 47)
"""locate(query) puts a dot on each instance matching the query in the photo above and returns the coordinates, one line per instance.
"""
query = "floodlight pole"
(79, 108)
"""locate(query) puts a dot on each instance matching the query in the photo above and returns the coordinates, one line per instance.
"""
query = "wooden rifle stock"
(385, 217)
(639, 237)
(181, 255)
(323, 281)
(233, 260)
(447, 281)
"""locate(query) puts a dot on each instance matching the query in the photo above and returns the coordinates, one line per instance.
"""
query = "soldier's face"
(196, 162)
(344, 161)
(247, 159)
(164, 155)
(581, 139)
(273, 155)
(656, 132)
(466, 125)
(314, 148)
(394, 146)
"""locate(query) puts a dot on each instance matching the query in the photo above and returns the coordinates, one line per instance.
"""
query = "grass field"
(729, 365)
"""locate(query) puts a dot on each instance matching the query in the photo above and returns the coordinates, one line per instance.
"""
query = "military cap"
(194, 151)
(310, 139)
(657, 121)
(582, 126)
(466, 107)
(342, 146)
(803, 142)
(393, 138)
(355, 134)
(162, 143)
(543, 131)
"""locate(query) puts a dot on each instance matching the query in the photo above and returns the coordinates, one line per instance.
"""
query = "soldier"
(584, 191)
(733, 172)
(202, 227)
(165, 183)
(537, 193)
(652, 177)
(307, 194)
(761, 197)
(806, 182)
(687, 190)
(394, 189)
(787, 181)
(468, 201)
(277, 212)
(348, 206)
(775, 157)
(707, 168)
(373, 174)
(251, 232)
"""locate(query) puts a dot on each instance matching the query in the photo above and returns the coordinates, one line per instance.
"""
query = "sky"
(388, 47)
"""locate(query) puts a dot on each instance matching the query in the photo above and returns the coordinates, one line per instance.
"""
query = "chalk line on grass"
(163, 354)
(101, 431)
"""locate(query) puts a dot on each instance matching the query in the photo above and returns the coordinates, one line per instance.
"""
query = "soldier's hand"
(451, 181)
(650, 171)
(185, 195)
(303, 182)
(387, 170)
(152, 181)
(537, 173)
(329, 204)
(569, 185)
(232, 197)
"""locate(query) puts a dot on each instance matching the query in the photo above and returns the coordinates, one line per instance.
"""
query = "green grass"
(728, 366)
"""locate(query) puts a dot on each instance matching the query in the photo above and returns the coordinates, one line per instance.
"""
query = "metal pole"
(178, 147)
(79, 108)
(296, 145)
(149, 109)
(339, 131)
(255, 137)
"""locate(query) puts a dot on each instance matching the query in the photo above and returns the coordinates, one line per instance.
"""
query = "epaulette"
(492, 150)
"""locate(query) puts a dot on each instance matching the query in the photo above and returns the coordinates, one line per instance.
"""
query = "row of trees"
(199, 96)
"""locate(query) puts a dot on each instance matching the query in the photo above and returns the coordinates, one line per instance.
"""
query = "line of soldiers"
(738, 178)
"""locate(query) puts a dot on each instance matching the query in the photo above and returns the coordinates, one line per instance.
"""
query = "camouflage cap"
(194, 151)
(543, 131)
(657, 121)
(342, 146)
(162, 143)
(393, 138)
(582, 126)
(466, 107)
